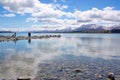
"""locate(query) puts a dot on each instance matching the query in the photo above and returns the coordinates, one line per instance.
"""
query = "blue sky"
(53, 14)
(87, 4)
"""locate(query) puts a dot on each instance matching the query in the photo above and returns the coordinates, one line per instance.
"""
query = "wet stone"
(77, 70)
(111, 76)
(99, 76)
(23, 78)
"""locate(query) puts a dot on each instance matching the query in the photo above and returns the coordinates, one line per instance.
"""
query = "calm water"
(21, 59)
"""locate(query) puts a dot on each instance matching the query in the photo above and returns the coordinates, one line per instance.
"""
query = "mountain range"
(87, 28)
(98, 28)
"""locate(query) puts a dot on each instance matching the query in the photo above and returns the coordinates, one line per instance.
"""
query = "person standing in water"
(29, 39)
(14, 35)
(29, 34)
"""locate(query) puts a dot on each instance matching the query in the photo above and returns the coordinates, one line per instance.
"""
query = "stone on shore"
(111, 76)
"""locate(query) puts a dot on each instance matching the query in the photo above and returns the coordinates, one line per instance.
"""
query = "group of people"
(14, 35)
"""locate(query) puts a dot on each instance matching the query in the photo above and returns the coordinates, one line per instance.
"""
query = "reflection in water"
(29, 40)
(21, 59)
(17, 66)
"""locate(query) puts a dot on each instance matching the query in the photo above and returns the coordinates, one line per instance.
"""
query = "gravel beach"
(81, 68)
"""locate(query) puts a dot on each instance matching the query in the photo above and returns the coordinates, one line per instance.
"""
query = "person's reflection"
(15, 40)
(29, 40)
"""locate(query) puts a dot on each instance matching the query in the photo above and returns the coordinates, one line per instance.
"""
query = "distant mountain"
(87, 28)
(5, 31)
(68, 29)
(93, 28)
(115, 29)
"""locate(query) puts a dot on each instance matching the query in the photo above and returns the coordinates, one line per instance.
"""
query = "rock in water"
(23, 78)
(111, 76)
(77, 70)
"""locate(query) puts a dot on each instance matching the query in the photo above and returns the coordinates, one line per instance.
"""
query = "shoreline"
(10, 38)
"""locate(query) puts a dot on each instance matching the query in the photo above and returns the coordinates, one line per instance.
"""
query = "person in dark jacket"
(14, 35)
(29, 34)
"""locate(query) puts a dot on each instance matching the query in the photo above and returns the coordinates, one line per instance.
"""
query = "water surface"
(23, 58)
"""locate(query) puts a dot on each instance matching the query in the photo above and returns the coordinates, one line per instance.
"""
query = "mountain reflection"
(18, 62)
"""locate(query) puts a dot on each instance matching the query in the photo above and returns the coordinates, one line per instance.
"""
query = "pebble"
(99, 76)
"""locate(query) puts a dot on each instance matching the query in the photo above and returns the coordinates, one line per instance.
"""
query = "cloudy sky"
(56, 14)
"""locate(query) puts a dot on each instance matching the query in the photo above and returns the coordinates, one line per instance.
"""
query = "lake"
(70, 57)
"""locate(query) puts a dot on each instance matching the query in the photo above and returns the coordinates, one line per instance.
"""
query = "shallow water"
(23, 58)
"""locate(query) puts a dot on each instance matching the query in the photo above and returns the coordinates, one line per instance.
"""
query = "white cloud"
(27, 6)
(8, 15)
(20, 6)
(63, 7)
(50, 13)
(108, 8)
(108, 14)
(60, 7)
(59, 0)
(94, 16)
(39, 11)
(54, 14)
(9, 29)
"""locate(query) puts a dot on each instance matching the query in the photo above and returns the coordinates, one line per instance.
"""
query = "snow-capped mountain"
(68, 29)
(88, 28)
(92, 28)
(115, 27)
